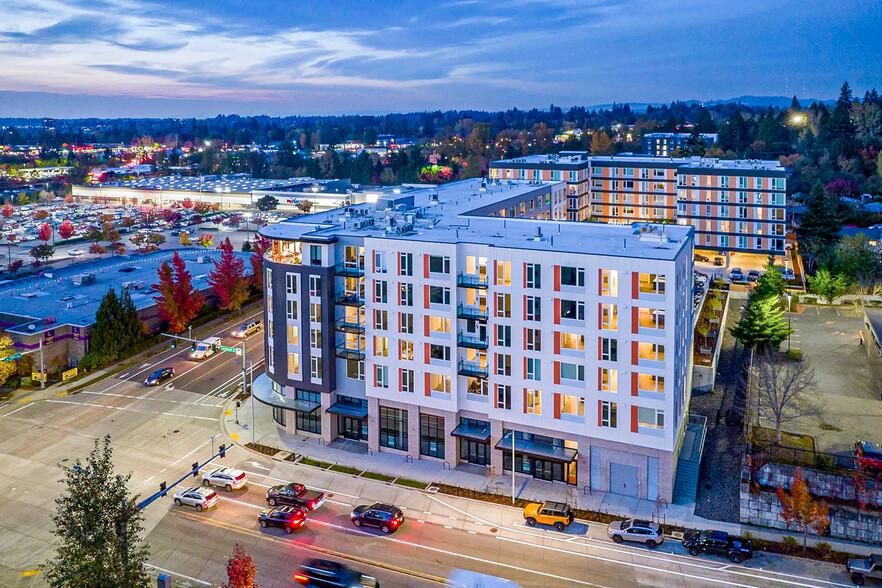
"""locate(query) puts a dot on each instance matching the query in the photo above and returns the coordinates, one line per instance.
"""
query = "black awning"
(474, 432)
(349, 409)
(540, 450)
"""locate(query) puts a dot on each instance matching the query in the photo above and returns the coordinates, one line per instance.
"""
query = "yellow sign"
(36, 376)
(71, 373)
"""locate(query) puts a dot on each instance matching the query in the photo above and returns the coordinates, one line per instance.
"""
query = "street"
(158, 432)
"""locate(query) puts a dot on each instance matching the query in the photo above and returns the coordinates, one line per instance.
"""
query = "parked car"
(701, 258)
(868, 456)
(718, 261)
(75, 252)
(863, 568)
(385, 517)
(638, 531)
(324, 573)
(753, 276)
(159, 376)
(247, 329)
(736, 275)
(226, 478)
(557, 514)
(198, 497)
(295, 495)
(735, 548)
(286, 517)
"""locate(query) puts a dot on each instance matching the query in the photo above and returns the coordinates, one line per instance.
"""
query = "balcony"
(345, 326)
(465, 311)
(348, 299)
(469, 368)
(470, 281)
(349, 270)
(472, 342)
(350, 353)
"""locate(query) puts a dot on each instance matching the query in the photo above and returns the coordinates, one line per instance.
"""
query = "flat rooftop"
(454, 213)
(39, 297)
(698, 163)
(562, 158)
(238, 184)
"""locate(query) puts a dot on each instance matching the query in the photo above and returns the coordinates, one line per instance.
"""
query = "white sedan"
(227, 478)
(76, 252)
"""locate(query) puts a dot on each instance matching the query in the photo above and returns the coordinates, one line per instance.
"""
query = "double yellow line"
(202, 519)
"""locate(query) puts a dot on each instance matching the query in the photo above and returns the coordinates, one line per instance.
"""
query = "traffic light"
(238, 404)
(222, 449)
(193, 346)
(174, 343)
(162, 488)
(195, 468)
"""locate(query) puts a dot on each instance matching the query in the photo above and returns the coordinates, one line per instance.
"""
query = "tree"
(187, 203)
(304, 206)
(185, 239)
(130, 328)
(42, 252)
(45, 232)
(15, 266)
(93, 234)
(66, 229)
(703, 328)
(105, 342)
(156, 239)
(228, 279)
(97, 249)
(178, 301)
(267, 203)
(128, 221)
(69, 199)
(241, 570)
(258, 249)
(99, 527)
(820, 226)
(800, 509)
(763, 326)
(784, 389)
(7, 210)
(828, 285)
(7, 368)
(41, 214)
(601, 144)
(206, 239)
(772, 281)
(857, 258)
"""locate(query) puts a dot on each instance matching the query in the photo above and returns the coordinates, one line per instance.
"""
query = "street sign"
(71, 373)
(12, 357)
(36, 376)
(236, 350)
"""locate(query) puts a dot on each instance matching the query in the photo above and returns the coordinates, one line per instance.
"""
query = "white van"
(206, 348)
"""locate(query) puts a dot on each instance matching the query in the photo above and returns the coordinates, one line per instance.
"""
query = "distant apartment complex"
(665, 144)
(734, 205)
(431, 324)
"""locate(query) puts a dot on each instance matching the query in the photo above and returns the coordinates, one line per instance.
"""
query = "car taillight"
(301, 578)
(395, 522)
(312, 504)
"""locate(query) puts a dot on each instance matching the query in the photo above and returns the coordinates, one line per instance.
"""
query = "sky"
(105, 58)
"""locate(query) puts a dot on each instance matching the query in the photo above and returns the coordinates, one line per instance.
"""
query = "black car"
(753, 276)
(385, 517)
(718, 543)
(295, 495)
(287, 517)
(160, 376)
(324, 573)
(718, 261)
(699, 257)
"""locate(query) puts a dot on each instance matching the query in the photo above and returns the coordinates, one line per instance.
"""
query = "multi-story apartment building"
(567, 166)
(664, 144)
(422, 325)
(734, 205)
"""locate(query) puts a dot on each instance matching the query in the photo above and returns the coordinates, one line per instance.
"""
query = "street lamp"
(789, 309)
(251, 370)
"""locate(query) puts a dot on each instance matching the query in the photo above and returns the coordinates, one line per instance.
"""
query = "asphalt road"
(158, 432)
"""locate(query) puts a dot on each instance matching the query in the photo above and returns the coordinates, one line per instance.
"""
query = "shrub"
(793, 355)
(375, 476)
(824, 549)
(824, 462)
(345, 469)
(789, 544)
(90, 361)
(411, 483)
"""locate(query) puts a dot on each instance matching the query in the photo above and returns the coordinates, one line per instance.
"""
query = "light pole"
(789, 329)
(512, 466)
(251, 369)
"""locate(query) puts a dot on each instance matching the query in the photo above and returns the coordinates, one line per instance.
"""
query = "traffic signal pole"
(194, 471)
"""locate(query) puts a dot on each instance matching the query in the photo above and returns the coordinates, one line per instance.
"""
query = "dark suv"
(295, 495)
(718, 543)
(324, 573)
(287, 517)
(385, 517)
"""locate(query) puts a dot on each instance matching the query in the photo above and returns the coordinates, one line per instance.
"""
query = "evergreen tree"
(819, 230)
(772, 281)
(99, 528)
(763, 326)
(131, 329)
(228, 279)
(106, 341)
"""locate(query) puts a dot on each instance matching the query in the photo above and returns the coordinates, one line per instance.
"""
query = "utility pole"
(42, 373)
(251, 369)
(512, 466)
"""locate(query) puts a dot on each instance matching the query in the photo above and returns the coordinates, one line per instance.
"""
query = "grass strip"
(411, 483)
(345, 469)
(376, 476)
(314, 462)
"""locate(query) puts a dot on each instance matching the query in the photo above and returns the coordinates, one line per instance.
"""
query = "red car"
(868, 455)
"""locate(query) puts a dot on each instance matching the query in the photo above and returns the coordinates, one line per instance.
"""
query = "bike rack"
(446, 465)
(408, 459)
(370, 451)
(586, 490)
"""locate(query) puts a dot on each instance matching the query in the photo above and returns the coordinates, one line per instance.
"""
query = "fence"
(799, 457)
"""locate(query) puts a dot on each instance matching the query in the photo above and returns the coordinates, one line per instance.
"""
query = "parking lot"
(718, 266)
(849, 378)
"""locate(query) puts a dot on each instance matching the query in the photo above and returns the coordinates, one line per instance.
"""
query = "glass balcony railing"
(473, 369)
(472, 281)
(465, 311)
(348, 299)
(472, 342)
(349, 270)
(350, 353)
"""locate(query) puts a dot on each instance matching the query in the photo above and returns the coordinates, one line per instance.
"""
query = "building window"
(503, 364)
(405, 323)
(571, 371)
(534, 401)
(405, 264)
(279, 415)
(381, 376)
(291, 310)
(393, 428)
(607, 414)
(503, 305)
(572, 276)
(503, 335)
(380, 290)
(574, 405)
(355, 369)
(407, 380)
(315, 255)
(572, 309)
(381, 320)
(405, 350)
(533, 369)
(439, 295)
(291, 283)
(316, 365)
(439, 265)
(380, 262)
(533, 306)
(405, 294)
(503, 273)
(441, 352)
(609, 380)
(315, 285)
(652, 283)
(534, 275)
(381, 346)
(294, 364)
(439, 383)
(609, 349)
(309, 422)
(477, 386)
(651, 383)
(432, 435)
(439, 324)
(609, 282)
(651, 318)
(315, 312)
(651, 351)
(315, 338)
(503, 396)
(532, 339)
(651, 418)
(293, 334)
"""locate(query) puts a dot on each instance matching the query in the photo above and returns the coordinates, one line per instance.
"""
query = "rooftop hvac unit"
(134, 285)
(83, 279)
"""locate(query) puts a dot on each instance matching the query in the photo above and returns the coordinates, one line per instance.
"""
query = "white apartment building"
(428, 324)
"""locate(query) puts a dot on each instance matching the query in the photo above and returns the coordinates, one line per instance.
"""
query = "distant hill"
(752, 101)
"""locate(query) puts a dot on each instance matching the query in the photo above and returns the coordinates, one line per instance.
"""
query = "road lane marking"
(180, 575)
(25, 399)
(62, 394)
(15, 411)
(257, 506)
(148, 479)
(126, 408)
(123, 376)
(307, 485)
(30, 573)
(191, 452)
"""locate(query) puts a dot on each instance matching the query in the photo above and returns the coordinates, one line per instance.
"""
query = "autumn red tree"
(800, 509)
(187, 203)
(97, 249)
(15, 266)
(241, 570)
(41, 214)
(66, 229)
(7, 210)
(259, 246)
(69, 199)
(45, 232)
(228, 279)
(178, 300)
